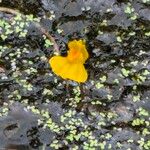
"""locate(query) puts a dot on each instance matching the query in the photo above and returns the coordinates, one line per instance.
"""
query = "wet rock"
(113, 76)
(117, 92)
(122, 136)
(18, 147)
(71, 27)
(33, 54)
(117, 51)
(55, 109)
(51, 5)
(100, 93)
(46, 136)
(17, 111)
(5, 81)
(124, 111)
(43, 79)
(107, 38)
(10, 130)
(145, 100)
(57, 91)
(104, 65)
(14, 127)
(69, 8)
(99, 6)
(73, 8)
(120, 20)
(128, 82)
(145, 14)
(145, 95)
(97, 52)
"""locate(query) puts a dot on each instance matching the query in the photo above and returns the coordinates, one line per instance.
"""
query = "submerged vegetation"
(110, 110)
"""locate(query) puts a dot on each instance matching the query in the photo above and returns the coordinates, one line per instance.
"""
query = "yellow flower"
(72, 66)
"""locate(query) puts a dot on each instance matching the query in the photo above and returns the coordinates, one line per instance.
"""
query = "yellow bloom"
(72, 66)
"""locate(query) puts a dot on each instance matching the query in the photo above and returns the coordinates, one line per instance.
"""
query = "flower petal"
(72, 71)
(59, 65)
(79, 46)
(77, 73)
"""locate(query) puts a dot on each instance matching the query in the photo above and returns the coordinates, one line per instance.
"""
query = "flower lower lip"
(72, 66)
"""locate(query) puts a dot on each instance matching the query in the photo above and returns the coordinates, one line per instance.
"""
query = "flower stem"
(42, 29)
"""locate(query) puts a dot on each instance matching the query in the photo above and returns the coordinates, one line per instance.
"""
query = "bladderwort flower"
(72, 66)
